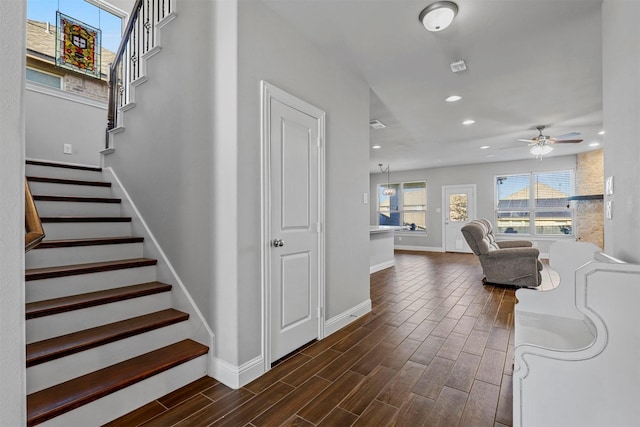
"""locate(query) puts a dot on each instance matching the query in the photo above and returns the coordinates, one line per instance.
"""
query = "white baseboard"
(236, 376)
(346, 317)
(418, 248)
(381, 266)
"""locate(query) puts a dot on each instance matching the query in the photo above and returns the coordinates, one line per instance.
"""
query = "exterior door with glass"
(459, 208)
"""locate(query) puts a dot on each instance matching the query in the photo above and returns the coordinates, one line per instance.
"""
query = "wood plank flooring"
(436, 350)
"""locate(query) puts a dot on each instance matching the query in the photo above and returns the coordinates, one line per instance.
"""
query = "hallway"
(437, 348)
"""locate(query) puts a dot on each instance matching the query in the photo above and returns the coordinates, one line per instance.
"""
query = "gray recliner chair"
(506, 262)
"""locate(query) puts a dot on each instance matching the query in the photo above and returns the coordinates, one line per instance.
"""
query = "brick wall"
(590, 213)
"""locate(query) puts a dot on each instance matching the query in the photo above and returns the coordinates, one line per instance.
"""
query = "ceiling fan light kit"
(439, 15)
(541, 149)
(541, 144)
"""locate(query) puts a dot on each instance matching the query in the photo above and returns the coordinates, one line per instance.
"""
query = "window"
(43, 78)
(406, 206)
(535, 203)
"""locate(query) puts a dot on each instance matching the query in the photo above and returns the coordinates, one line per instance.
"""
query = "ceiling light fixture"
(389, 191)
(453, 98)
(468, 122)
(540, 149)
(601, 132)
(437, 16)
(376, 147)
(594, 144)
(484, 147)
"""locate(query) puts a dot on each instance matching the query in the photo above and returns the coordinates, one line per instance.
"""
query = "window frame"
(532, 209)
(37, 70)
(400, 190)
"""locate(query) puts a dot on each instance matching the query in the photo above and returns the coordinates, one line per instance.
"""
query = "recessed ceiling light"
(453, 98)
(594, 144)
(601, 132)
(376, 147)
(468, 122)
(484, 147)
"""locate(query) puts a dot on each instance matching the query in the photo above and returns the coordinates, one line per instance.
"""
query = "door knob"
(277, 243)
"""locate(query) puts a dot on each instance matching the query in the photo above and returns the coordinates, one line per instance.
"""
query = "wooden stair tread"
(53, 401)
(48, 307)
(96, 241)
(64, 165)
(68, 181)
(60, 219)
(93, 267)
(65, 345)
(77, 199)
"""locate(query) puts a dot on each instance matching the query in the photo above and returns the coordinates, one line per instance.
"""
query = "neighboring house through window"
(406, 206)
(536, 203)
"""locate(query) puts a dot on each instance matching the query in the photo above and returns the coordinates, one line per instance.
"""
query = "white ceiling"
(530, 62)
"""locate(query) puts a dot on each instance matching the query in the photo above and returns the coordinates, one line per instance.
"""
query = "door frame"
(445, 209)
(267, 93)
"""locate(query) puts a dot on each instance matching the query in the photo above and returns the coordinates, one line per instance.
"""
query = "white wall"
(190, 159)
(56, 117)
(621, 104)
(483, 175)
(164, 157)
(272, 50)
(12, 323)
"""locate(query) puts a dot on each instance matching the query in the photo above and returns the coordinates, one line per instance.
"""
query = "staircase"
(102, 336)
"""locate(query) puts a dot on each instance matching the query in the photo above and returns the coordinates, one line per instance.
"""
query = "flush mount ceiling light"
(437, 16)
(453, 98)
(485, 147)
(468, 122)
(376, 147)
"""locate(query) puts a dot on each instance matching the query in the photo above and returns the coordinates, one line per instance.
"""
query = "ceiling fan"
(541, 144)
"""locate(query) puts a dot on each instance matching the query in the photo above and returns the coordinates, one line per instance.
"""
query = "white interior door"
(459, 203)
(294, 239)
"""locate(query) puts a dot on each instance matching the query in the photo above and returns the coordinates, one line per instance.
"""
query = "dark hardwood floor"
(436, 350)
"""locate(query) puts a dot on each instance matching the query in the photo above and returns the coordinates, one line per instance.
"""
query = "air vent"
(457, 66)
(377, 124)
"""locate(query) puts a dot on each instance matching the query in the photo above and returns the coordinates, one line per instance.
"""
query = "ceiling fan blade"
(570, 141)
(567, 136)
(531, 141)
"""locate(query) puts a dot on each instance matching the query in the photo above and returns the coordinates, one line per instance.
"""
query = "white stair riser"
(39, 258)
(53, 189)
(56, 371)
(55, 208)
(38, 290)
(81, 230)
(126, 400)
(43, 328)
(65, 173)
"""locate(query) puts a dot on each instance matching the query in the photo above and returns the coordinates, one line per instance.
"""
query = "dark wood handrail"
(113, 67)
(34, 233)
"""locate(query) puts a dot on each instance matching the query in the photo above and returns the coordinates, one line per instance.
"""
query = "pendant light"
(389, 191)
